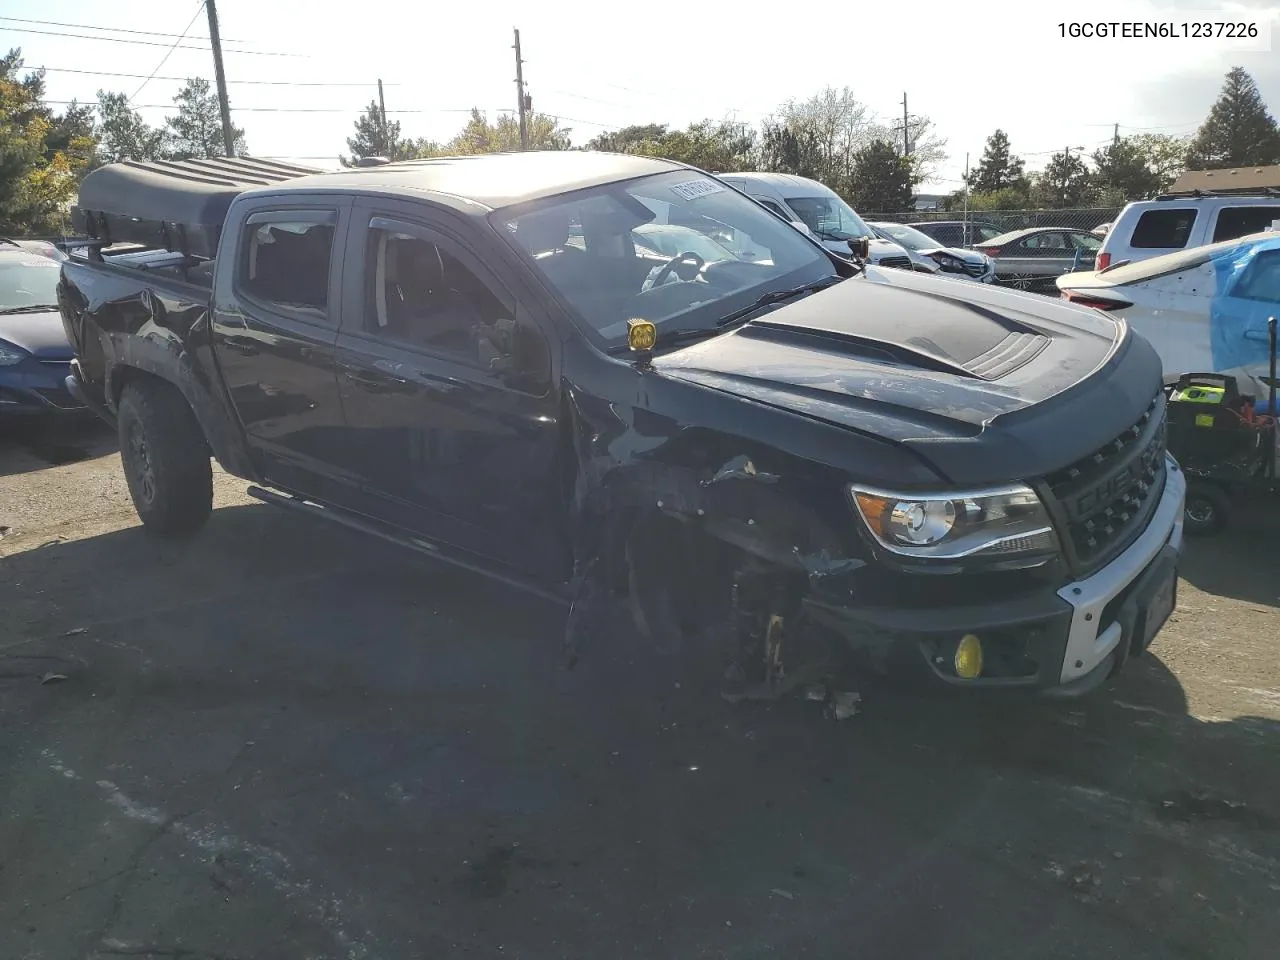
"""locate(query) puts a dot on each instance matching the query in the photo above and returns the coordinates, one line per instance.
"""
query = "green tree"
(718, 146)
(481, 136)
(788, 149)
(377, 137)
(882, 179)
(42, 155)
(1065, 182)
(1239, 132)
(1138, 167)
(627, 139)
(123, 134)
(999, 169)
(196, 130)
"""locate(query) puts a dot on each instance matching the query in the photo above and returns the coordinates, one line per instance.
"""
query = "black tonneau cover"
(176, 205)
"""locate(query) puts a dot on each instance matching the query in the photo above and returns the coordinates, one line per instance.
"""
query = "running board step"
(418, 545)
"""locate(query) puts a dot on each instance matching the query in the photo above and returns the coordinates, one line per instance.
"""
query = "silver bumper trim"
(1086, 647)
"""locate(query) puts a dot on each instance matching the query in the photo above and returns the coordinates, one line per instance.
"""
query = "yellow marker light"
(968, 657)
(641, 335)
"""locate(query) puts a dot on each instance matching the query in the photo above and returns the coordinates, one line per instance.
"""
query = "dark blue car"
(35, 357)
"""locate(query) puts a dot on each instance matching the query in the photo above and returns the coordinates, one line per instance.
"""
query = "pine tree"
(881, 180)
(123, 134)
(1064, 183)
(999, 168)
(196, 130)
(1239, 132)
(376, 137)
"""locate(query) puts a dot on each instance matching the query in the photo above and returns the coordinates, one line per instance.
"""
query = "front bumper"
(35, 388)
(1064, 642)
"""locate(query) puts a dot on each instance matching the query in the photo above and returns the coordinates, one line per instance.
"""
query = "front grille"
(900, 263)
(1103, 501)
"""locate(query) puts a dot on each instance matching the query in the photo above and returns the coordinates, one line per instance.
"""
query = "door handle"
(241, 345)
(374, 382)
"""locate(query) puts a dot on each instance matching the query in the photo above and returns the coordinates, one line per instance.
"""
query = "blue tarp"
(1238, 324)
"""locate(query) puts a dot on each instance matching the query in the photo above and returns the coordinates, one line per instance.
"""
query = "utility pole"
(228, 139)
(906, 128)
(964, 229)
(382, 119)
(1115, 137)
(520, 97)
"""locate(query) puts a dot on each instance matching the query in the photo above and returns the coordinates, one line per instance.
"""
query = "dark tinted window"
(423, 296)
(775, 208)
(287, 262)
(1164, 228)
(1236, 222)
(1262, 280)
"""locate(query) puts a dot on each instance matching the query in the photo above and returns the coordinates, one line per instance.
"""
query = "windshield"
(829, 217)
(608, 252)
(28, 281)
(908, 237)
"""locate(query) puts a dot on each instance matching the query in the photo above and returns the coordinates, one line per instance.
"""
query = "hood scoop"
(936, 332)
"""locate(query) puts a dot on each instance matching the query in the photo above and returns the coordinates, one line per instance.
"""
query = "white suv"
(1149, 228)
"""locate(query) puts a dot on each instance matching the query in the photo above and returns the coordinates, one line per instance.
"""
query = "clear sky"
(969, 66)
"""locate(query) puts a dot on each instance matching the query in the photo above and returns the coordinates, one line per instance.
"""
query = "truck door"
(446, 384)
(274, 323)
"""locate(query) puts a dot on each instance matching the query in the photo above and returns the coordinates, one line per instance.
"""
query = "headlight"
(1000, 524)
(9, 354)
(949, 263)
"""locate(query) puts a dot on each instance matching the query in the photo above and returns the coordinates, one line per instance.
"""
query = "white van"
(1150, 228)
(813, 208)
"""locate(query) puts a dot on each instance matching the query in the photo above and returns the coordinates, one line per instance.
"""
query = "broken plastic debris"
(843, 705)
(76, 632)
(785, 894)
(817, 693)
(53, 678)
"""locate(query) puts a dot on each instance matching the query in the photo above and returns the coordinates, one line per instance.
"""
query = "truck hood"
(40, 334)
(985, 385)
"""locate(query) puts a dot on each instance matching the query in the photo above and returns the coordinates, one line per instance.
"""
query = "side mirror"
(860, 248)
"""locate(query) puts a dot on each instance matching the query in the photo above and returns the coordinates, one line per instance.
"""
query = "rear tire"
(1206, 511)
(165, 459)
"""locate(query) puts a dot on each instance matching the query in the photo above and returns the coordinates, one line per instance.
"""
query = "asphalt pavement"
(279, 740)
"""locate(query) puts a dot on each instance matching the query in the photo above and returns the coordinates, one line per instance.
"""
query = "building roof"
(1229, 178)
(489, 181)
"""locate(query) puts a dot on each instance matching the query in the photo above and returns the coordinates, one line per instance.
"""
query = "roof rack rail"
(1237, 192)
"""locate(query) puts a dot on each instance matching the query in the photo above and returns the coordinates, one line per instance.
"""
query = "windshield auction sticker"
(693, 189)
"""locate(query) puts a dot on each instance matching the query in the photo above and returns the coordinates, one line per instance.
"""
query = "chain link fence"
(1005, 220)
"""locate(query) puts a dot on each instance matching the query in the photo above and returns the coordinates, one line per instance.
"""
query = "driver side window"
(422, 295)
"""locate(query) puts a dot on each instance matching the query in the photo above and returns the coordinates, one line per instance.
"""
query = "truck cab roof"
(181, 205)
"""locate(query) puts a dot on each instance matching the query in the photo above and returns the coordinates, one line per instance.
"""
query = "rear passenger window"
(1236, 222)
(775, 208)
(1164, 229)
(286, 261)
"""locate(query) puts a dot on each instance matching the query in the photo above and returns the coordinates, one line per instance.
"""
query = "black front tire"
(1206, 511)
(165, 458)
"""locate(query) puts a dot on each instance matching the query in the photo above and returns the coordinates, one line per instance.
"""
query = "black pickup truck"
(753, 443)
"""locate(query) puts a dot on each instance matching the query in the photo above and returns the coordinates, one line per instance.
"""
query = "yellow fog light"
(642, 335)
(968, 657)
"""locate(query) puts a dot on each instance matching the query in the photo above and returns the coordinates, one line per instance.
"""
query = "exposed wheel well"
(123, 376)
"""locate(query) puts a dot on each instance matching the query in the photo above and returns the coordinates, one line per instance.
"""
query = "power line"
(90, 26)
(169, 106)
(263, 83)
(151, 43)
(168, 52)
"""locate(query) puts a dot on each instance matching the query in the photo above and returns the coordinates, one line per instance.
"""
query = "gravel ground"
(281, 741)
